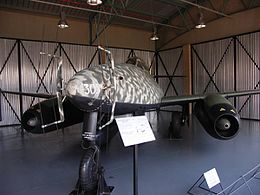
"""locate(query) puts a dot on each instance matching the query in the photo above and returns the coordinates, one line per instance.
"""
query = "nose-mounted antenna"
(113, 85)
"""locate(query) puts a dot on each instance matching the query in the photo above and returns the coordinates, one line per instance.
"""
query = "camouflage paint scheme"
(134, 85)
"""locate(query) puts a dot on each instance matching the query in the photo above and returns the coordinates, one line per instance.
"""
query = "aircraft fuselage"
(131, 87)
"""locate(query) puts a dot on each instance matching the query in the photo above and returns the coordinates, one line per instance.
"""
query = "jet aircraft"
(118, 89)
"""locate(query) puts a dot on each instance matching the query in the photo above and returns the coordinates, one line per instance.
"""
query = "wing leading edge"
(174, 100)
(215, 113)
(39, 95)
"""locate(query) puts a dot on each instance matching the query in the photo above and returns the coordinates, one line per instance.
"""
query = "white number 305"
(91, 88)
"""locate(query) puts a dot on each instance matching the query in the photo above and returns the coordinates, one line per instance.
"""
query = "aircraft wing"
(174, 100)
(39, 95)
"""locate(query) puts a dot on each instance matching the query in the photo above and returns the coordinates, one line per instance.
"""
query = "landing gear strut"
(91, 175)
(174, 131)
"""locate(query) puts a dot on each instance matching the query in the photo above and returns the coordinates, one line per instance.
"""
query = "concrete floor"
(48, 164)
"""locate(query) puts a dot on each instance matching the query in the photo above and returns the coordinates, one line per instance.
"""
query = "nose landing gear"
(91, 175)
(91, 179)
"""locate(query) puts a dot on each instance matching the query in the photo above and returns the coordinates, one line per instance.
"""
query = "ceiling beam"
(108, 13)
(183, 18)
(205, 8)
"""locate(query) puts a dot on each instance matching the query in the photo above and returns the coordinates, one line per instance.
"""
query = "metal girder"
(181, 9)
(210, 3)
(244, 4)
(143, 12)
(206, 70)
(249, 97)
(71, 64)
(4, 65)
(191, 18)
(225, 2)
(8, 57)
(107, 13)
(255, 64)
(109, 22)
(205, 8)
(93, 57)
(183, 18)
(90, 19)
(45, 73)
(251, 4)
(11, 107)
(249, 55)
(151, 65)
(218, 65)
(166, 71)
(98, 33)
(173, 73)
(34, 68)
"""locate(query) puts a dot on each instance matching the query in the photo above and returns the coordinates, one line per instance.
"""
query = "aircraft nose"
(85, 83)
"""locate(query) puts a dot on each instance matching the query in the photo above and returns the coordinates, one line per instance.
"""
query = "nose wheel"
(91, 179)
(88, 169)
(91, 175)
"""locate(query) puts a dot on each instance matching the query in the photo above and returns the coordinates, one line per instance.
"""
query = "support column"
(187, 71)
(20, 80)
(90, 30)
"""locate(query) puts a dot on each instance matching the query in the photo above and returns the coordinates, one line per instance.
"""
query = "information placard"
(212, 178)
(135, 130)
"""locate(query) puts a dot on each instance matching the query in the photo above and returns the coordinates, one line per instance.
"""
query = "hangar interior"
(222, 57)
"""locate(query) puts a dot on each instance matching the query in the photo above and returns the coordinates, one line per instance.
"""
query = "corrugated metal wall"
(227, 65)
(213, 60)
(223, 65)
(248, 73)
(38, 72)
(9, 79)
(170, 63)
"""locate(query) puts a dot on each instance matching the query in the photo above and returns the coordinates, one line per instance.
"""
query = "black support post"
(135, 167)
(20, 79)
(156, 66)
(235, 69)
(90, 30)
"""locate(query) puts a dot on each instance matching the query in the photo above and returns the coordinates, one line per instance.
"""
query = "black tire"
(88, 170)
(175, 125)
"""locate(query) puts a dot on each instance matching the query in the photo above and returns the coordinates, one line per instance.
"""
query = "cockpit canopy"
(136, 61)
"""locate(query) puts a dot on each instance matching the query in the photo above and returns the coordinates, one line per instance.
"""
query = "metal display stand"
(135, 130)
(199, 186)
(102, 187)
(243, 181)
(135, 169)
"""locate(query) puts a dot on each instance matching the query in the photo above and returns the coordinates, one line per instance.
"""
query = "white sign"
(212, 178)
(135, 130)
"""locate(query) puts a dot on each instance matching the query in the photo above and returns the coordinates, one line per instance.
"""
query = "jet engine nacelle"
(218, 116)
(47, 112)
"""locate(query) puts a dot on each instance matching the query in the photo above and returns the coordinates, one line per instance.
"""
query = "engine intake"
(218, 117)
(46, 112)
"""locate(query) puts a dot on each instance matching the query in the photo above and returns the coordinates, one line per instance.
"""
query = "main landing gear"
(91, 179)
(178, 120)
